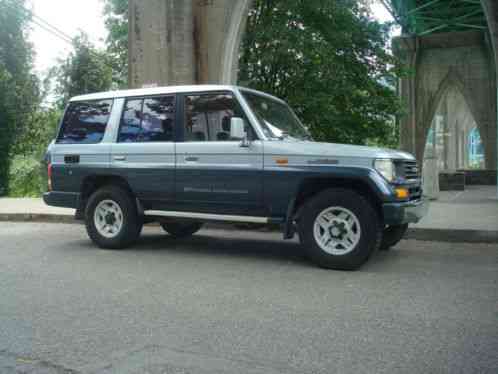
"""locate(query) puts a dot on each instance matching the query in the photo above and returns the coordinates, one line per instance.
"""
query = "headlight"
(386, 169)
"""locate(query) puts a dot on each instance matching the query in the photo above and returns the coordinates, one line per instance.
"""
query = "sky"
(71, 16)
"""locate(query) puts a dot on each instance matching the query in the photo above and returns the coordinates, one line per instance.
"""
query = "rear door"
(144, 153)
(214, 173)
(80, 149)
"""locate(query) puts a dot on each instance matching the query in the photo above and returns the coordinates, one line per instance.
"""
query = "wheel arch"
(92, 183)
(310, 187)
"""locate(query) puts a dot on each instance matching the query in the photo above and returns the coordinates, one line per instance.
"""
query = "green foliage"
(85, 70)
(41, 131)
(26, 176)
(19, 88)
(116, 21)
(329, 60)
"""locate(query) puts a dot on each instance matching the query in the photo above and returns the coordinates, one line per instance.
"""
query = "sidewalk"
(461, 216)
(28, 209)
(457, 216)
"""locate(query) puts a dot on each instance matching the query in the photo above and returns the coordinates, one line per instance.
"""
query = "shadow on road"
(231, 244)
(214, 245)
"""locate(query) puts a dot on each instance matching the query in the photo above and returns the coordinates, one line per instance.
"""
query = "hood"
(307, 148)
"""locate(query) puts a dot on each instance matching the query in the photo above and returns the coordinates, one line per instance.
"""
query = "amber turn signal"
(402, 193)
(282, 161)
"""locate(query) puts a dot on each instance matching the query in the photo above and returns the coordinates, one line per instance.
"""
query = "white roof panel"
(151, 91)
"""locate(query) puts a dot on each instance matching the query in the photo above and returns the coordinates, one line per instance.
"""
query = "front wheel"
(339, 229)
(181, 229)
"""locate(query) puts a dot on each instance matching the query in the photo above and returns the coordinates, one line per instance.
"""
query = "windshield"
(276, 118)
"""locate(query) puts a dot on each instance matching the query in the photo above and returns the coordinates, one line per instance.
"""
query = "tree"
(19, 96)
(330, 60)
(85, 70)
(116, 21)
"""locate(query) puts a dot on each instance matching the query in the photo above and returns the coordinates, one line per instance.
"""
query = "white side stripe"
(206, 216)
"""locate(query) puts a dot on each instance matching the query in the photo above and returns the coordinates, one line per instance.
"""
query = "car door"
(144, 153)
(81, 149)
(214, 173)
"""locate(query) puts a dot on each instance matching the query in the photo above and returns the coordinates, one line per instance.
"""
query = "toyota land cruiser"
(181, 156)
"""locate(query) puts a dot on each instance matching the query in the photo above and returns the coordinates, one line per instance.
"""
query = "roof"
(151, 92)
(422, 17)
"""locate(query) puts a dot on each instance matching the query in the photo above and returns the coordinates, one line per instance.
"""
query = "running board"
(207, 217)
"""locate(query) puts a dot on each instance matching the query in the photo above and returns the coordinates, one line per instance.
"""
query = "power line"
(41, 23)
(51, 29)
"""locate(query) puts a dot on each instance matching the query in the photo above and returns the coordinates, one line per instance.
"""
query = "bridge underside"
(450, 47)
(446, 63)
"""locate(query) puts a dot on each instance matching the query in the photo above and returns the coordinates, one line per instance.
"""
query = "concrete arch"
(229, 70)
(491, 11)
(185, 41)
(452, 81)
(442, 62)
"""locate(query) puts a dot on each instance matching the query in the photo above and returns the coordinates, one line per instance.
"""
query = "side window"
(207, 117)
(148, 120)
(158, 119)
(85, 122)
(131, 121)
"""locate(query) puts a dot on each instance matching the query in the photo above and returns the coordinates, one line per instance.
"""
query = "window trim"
(181, 115)
(143, 98)
(61, 122)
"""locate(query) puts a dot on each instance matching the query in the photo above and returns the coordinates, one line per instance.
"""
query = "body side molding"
(207, 216)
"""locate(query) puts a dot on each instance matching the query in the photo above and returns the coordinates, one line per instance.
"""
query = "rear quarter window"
(85, 122)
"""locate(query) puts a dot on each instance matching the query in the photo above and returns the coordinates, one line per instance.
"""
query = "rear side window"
(148, 120)
(85, 122)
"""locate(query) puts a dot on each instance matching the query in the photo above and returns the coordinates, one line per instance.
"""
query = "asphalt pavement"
(240, 302)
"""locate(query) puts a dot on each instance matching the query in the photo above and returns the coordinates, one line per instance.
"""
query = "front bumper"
(62, 199)
(405, 212)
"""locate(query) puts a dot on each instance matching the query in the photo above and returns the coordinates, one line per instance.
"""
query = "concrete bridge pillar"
(185, 41)
(491, 11)
(441, 63)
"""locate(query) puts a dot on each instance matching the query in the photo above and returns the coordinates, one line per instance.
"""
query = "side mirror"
(238, 131)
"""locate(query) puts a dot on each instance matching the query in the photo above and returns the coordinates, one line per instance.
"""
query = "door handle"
(119, 158)
(191, 159)
(71, 159)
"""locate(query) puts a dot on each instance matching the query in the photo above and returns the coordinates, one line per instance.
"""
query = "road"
(240, 302)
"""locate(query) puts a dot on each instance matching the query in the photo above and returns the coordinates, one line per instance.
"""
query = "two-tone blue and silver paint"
(257, 181)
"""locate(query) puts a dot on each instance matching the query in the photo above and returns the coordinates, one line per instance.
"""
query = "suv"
(184, 155)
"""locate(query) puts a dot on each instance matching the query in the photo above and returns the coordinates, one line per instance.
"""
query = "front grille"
(408, 170)
(415, 192)
(408, 175)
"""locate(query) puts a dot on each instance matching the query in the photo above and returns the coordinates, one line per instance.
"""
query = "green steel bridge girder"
(422, 17)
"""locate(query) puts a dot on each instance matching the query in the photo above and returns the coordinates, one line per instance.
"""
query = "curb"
(438, 235)
(36, 217)
(452, 236)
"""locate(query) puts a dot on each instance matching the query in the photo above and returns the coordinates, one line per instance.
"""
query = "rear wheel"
(339, 229)
(181, 229)
(392, 236)
(111, 218)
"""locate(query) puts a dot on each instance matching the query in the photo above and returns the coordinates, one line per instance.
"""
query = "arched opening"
(475, 149)
(453, 138)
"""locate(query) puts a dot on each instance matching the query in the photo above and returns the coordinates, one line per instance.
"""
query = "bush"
(27, 177)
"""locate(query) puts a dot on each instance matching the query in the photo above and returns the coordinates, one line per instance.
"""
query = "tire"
(118, 201)
(181, 229)
(362, 229)
(392, 235)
